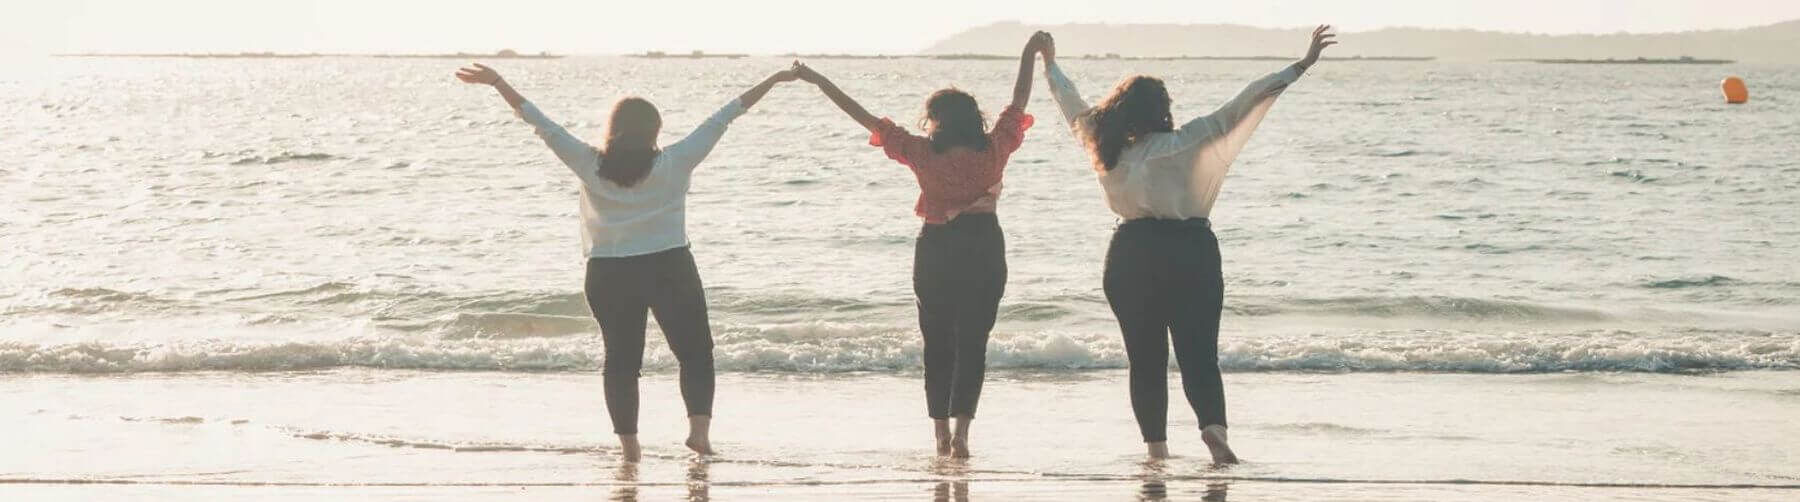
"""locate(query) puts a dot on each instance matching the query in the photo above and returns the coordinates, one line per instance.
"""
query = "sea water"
(268, 271)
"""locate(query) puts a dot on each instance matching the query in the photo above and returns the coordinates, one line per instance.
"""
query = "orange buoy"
(1735, 91)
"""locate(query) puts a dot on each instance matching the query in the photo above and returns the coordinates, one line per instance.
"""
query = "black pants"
(959, 274)
(666, 283)
(1164, 283)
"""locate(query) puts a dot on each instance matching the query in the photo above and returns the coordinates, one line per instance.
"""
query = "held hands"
(1042, 43)
(806, 73)
(478, 74)
(1321, 38)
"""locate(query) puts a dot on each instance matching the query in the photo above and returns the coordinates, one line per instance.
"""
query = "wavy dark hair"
(630, 142)
(1138, 107)
(953, 119)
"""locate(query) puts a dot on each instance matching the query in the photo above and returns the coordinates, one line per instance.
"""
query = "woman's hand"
(1046, 45)
(481, 74)
(478, 74)
(1035, 44)
(1321, 38)
(787, 75)
(806, 73)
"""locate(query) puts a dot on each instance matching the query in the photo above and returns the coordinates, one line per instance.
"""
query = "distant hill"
(1776, 43)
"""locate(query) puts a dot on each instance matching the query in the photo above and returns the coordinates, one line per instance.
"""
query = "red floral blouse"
(958, 181)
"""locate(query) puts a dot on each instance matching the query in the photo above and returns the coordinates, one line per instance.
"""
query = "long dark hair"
(952, 119)
(630, 142)
(1136, 108)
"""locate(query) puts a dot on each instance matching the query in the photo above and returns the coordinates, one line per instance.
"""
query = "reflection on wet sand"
(1215, 492)
(952, 484)
(1155, 485)
(626, 490)
(699, 482)
(955, 489)
(950, 491)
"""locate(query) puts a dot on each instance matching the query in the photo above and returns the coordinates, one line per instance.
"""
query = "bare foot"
(941, 428)
(1214, 436)
(1158, 450)
(959, 442)
(701, 446)
(699, 434)
(629, 450)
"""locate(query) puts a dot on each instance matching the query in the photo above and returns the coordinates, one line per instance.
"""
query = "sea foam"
(833, 347)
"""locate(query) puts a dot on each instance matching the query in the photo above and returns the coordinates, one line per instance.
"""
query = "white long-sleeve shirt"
(644, 218)
(1176, 175)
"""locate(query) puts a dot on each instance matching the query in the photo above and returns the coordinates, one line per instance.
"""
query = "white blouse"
(1176, 175)
(644, 218)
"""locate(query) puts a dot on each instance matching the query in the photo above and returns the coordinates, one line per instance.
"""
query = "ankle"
(1157, 449)
(1215, 429)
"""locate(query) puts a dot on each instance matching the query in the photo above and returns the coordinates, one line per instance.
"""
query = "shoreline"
(360, 431)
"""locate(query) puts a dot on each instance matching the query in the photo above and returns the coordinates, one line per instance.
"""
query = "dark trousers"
(959, 274)
(1164, 282)
(665, 283)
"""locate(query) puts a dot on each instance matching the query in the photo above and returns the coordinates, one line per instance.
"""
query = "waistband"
(1168, 223)
(655, 255)
(982, 218)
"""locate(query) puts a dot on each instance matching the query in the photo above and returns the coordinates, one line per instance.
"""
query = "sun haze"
(778, 26)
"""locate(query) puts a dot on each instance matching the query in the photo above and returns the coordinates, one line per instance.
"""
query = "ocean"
(360, 277)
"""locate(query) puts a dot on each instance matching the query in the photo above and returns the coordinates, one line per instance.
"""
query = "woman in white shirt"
(633, 215)
(1163, 276)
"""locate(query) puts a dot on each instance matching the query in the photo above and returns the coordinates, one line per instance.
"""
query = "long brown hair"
(1136, 108)
(953, 119)
(630, 142)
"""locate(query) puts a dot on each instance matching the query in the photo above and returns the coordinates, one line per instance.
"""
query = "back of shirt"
(956, 181)
(1178, 174)
(648, 216)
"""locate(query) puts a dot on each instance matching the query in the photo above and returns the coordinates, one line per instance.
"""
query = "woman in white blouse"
(633, 215)
(1163, 276)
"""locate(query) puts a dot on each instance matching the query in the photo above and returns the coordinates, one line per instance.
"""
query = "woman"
(633, 203)
(1163, 277)
(959, 262)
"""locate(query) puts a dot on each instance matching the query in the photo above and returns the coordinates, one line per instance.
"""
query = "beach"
(834, 437)
(358, 278)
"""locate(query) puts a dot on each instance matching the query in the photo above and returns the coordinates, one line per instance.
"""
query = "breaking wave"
(829, 347)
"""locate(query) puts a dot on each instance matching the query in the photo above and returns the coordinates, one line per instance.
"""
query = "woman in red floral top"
(959, 264)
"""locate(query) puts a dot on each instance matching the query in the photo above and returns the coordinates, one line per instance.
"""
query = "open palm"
(1321, 38)
(478, 74)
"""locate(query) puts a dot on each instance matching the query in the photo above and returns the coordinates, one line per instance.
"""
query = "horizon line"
(965, 30)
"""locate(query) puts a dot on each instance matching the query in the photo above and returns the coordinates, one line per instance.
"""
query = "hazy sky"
(770, 26)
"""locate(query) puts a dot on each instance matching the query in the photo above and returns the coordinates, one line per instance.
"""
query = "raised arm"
(843, 101)
(694, 148)
(482, 74)
(573, 152)
(756, 93)
(1247, 108)
(1068, 98)
(1022, 87)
